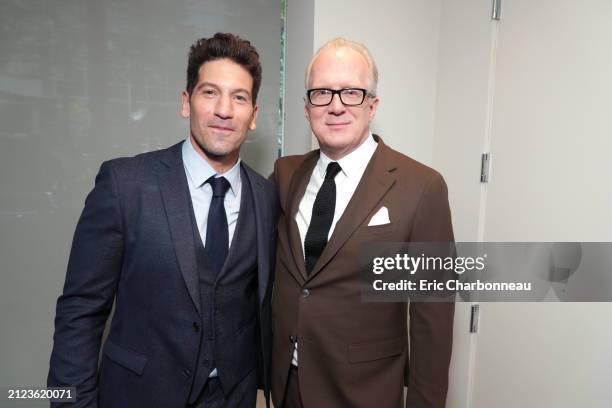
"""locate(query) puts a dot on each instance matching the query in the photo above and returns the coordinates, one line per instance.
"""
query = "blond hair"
(361, 49)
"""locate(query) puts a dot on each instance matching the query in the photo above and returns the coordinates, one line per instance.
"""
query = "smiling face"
(220, 111)
(340, 129)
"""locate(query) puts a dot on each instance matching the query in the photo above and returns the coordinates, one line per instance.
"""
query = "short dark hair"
(223, 45)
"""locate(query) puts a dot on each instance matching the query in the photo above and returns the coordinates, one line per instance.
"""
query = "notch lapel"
(377, 179)
(296, 191)
(263, 227)
(175, 195)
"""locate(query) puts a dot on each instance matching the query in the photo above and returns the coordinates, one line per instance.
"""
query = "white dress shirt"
(198, 170)
(353, 165)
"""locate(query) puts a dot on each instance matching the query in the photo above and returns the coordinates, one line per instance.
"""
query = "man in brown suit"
(330, 349)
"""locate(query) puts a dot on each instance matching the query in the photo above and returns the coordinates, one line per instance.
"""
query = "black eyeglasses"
(348, 96)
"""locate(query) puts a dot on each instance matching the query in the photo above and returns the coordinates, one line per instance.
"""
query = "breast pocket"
(385, 231)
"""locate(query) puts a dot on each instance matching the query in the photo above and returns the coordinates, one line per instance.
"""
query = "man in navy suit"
(182, 239)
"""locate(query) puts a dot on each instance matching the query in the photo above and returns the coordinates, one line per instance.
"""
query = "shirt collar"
(352, 162)
(199, 170)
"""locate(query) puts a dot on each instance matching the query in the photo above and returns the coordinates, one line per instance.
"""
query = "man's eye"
(320, 93)
(208, 92)
(240, 98)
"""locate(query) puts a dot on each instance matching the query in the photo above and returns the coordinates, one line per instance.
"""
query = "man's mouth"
(221, 129)
(337, 125)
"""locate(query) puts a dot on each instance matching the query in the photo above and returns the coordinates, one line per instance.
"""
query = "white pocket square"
(380, 218)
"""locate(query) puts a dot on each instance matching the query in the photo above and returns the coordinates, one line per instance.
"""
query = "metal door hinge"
(485, 165)
(475, 318)
(496, 13)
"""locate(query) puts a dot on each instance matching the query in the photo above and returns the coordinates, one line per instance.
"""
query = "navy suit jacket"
(134, 242)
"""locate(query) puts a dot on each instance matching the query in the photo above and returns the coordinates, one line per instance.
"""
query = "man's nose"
(224, 108)
(336, 106)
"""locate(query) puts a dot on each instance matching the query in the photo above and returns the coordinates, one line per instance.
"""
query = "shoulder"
(136, 166)
(288, 164)
(285, 167)
(410, 170)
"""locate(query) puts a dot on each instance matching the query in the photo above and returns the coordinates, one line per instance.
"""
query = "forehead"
(339, 67)
(225, 72)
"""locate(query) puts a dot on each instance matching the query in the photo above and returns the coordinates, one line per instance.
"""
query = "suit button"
(187, 373)
(196, 327)
(305, 292)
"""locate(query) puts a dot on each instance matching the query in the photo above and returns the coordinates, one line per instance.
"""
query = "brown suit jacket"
(351, 353)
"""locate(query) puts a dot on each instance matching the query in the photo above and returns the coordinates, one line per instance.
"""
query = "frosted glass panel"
(82, 82)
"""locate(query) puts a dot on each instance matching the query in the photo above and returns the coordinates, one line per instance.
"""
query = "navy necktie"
(217, 234)
(322, 217)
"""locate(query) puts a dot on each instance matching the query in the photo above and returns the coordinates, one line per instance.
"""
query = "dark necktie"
(322, 217)
(217, 235)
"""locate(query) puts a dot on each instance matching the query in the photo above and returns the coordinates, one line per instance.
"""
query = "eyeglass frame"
(339, 93)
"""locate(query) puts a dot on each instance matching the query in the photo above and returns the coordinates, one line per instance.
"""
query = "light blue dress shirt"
(198, 170)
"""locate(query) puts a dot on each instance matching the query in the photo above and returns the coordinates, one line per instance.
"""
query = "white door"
(534, 89)
(551, 180)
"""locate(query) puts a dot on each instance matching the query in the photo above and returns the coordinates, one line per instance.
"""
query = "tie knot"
(219, 185)
(333, 168)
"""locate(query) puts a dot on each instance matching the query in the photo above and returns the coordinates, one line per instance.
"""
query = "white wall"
(403, 38)
(465, 60)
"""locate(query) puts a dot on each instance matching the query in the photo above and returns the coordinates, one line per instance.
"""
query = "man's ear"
(306, 111)
(185, 106)
(253, 123)
(374, 107)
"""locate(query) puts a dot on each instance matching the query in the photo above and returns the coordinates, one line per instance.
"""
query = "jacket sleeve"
(431, 323)
(91, 280)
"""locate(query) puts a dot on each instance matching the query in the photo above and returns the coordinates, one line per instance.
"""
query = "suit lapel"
(296, 191)
(263, 227)
(375, 182)
(175, 197)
